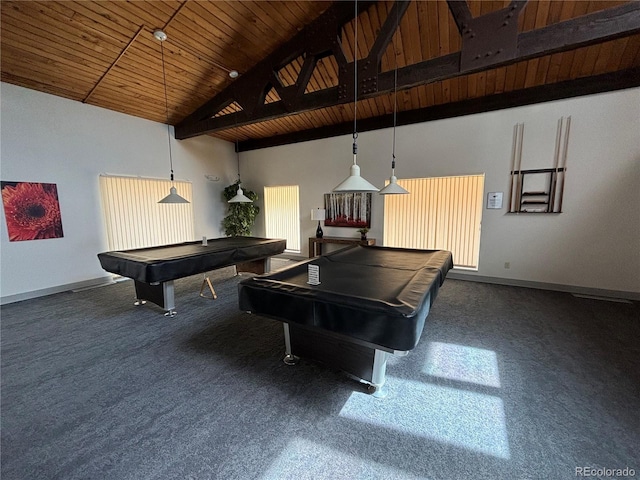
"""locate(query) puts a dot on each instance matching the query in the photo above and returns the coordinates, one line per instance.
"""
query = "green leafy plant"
(241, 216)
(363, 231)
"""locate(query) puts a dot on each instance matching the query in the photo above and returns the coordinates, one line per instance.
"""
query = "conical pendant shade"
(240, 197)
(173, 197)
(393, 188)
(355, 183)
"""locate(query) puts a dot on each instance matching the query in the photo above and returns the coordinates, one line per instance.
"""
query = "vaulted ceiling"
(297, 77)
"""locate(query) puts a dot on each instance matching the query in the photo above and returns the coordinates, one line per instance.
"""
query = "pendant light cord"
(238, 157)
(355, 84)
(395, 96)
(166, 105)
(237, 112)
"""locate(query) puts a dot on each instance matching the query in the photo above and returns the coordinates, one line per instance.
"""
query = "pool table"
(370, 303)
(154, 269)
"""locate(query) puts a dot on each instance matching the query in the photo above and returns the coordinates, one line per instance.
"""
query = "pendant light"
(173, 196)
(240, 197)
(354, 182)
(392, 187)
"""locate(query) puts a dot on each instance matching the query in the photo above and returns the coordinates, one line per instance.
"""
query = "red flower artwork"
(32, 210)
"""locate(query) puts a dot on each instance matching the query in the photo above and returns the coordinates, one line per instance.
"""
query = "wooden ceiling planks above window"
(66, 47)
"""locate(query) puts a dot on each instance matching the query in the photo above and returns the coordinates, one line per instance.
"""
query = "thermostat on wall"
(494, 200)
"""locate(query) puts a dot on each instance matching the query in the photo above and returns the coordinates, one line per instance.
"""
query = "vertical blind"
(439, 213)
(282, 215)
(135, 219)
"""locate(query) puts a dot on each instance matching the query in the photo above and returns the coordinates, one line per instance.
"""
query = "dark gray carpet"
(506, 383)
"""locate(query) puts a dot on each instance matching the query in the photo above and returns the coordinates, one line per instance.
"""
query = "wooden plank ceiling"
(104, 53)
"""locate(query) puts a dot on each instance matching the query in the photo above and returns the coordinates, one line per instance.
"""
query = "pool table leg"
(162, 294)
(289, 358)
(169, 296)
(379, 374)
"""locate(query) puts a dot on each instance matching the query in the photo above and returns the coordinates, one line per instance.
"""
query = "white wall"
(49, 139)
(594, 243)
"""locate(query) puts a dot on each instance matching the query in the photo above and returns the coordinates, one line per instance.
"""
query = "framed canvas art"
(347, 210)
(31, 210)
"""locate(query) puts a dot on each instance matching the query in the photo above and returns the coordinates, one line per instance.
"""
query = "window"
(439, 213)
(135, 219)
(282, 215)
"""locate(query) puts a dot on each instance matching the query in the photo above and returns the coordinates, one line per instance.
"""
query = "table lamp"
(319, 215)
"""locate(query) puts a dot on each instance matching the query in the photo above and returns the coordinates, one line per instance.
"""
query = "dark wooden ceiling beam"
(517, 5)
(318, 38)
(545, 93)
(385, 35)
(581, 31)
(461, 14)
(490, 39)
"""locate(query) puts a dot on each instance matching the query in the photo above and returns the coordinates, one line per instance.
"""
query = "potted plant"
(241, 216)
(363, 233)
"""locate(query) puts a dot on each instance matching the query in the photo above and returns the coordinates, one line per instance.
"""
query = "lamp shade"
(393, 188)
(355, 183)
(173, 197)
(318, 214)
(240, 197)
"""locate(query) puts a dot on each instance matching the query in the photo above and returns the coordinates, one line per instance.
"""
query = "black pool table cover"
(379, 295)
(169, 262)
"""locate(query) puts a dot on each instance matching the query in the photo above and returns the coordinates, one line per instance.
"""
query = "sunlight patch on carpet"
(303, 459)
(461, 363)
(465, 419)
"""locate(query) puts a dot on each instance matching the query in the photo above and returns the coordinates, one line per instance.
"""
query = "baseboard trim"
(296, 257)
(511, 282)
(455, 275)
(94, 282)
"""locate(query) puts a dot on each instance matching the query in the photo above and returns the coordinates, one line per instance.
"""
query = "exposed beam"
(489, 39)
(460, 13)
(518, 5)
(319, 38)
(597, 27)
(385, 35)
(568, 89)
(581, 31)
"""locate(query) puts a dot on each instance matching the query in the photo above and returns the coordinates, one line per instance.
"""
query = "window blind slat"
(439, 213)
(135, 219)
(282, 214)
